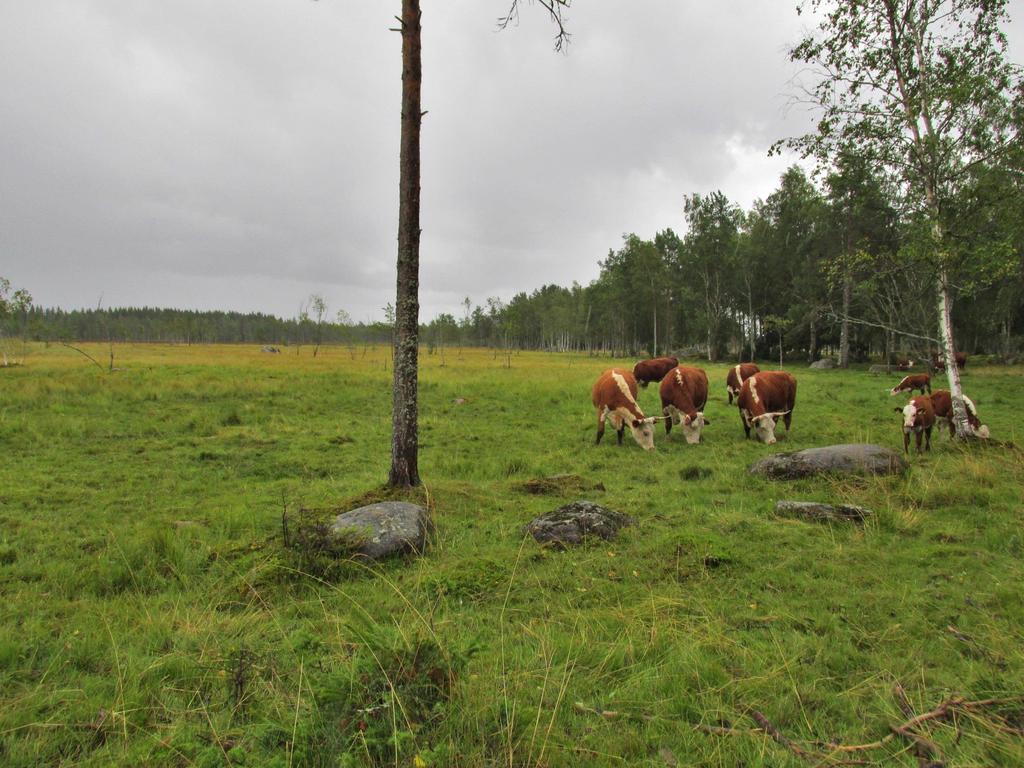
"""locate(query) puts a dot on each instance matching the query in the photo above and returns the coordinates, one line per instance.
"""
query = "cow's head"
(643, 431)
(692, 426)
(909, 415)
(764, 426)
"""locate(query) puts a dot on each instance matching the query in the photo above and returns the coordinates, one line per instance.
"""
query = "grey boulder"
(575, 522)
(383, 529)
(847, 459)
(825, 362)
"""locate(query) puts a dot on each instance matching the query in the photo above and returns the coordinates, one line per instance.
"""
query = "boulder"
(383, 529)
(575, 522)
(819, 512)
(270, 349)
(848, 459)
(879, 369)
(825, 362)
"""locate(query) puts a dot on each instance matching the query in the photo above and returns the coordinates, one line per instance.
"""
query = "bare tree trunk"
(844, 328)
(405, 410)
(813, 351)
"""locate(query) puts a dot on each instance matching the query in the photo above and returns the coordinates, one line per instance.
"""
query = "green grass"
(151, 616)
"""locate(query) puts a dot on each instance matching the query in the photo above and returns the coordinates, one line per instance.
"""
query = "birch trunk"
(844, 329)
(405, 410)
(960, 422)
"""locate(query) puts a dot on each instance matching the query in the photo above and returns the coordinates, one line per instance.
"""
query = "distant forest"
(815, 268)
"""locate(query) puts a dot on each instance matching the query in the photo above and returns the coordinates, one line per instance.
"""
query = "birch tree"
(924, 88)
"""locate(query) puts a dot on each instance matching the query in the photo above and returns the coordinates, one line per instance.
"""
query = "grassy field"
(151, 615)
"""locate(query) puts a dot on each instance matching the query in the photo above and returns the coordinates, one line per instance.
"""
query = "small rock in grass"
(848, 459)
(825, 362)
(575, 522)
(813, 510)
(383, 529)
(560, 484)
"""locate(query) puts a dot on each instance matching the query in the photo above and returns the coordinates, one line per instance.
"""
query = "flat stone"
(575, 522)
(384, 529)
(847, 459)
(825, 362)
(820, 512)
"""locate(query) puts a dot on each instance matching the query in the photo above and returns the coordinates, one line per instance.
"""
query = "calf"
(942, 402)
(918, 417)
(762, 399)
(655, 369)
(734, 379)
(614, 397)
(920, 381)
(684, 393)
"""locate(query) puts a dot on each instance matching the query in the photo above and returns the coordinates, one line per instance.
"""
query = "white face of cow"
(643, 433)
(692, 427)
(764, 426)
(909, 414)
(983, 432)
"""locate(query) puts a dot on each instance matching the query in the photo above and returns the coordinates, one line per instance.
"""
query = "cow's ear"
(706, 421)
(898, 409)
(636, 424)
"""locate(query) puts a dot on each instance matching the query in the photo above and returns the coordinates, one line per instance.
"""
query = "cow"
(684, 393)
(903, 364)
(614, 397)
(763, 398)
(920, 381)
(734, 379)
(939, 362)
(919, 418)
(655, 369)
(942, 402)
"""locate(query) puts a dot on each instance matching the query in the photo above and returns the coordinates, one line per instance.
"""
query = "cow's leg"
(729, 390)
(788, 418)
(927, 438)
(746, 426)
(906, 441)
(619, 432)
(917, 440)
(600, 426)
(666, 410)
(929, 385)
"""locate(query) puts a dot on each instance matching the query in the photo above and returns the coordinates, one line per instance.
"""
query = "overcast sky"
(242, 154)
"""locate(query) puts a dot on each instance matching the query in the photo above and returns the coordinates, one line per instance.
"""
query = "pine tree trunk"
(404, 434)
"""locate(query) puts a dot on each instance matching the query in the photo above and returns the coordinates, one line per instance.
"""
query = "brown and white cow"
(918, 418)
(684, 393)
(614, 397)
(920, 381)
(734, 379)
(904, 364)
(654, 369)
(942, 402)
(763, 398)
(939, 362)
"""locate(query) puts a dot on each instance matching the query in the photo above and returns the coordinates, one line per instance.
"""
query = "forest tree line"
(823, 268)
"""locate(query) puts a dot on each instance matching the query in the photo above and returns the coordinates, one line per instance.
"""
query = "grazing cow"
(734, 379)
(763, 398)
(655, 369)
(939, 362)
(614, 397)
(919, 418)
(920, 381)
(684, 393)
(942, 402)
